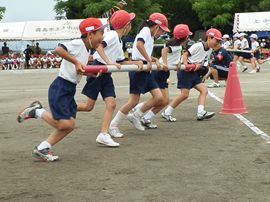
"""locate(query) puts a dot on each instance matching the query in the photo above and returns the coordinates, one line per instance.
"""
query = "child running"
(109, 52)
(188, 78)
(61, 92)
(171, 55)
(142, 82)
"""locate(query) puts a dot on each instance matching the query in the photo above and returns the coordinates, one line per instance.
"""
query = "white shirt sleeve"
(144, 34)
(194, 48)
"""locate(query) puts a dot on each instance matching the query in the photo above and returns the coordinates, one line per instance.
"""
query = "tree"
(95, 8)
(2, 11)
(220, 13)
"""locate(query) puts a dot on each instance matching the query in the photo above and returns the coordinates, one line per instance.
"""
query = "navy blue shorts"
(257, 55)
(102, 84)
(246, 55)
(161, 78)
(222, 70)
(61, 99)
(141, 82)
(187, 80)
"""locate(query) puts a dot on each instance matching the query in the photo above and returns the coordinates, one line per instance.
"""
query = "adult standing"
(28, 52)
(5, 50)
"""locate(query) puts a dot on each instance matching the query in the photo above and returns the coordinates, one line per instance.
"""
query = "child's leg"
(157, 98)
(87, 106)
(121, 114)
(107, 117)
(201, 113)
(164, 103)
(132, 102)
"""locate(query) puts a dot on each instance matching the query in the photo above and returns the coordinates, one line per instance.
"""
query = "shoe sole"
(168, 120)
(21, 119)
(207, 117)
(41, 157)
(104, 144)
(131, 121)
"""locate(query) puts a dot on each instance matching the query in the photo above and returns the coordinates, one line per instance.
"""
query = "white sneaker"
(169, 118)
(115, 132)
(252, 71)
(107, 140)
(214, 85)
(205, 115)
(136, 121)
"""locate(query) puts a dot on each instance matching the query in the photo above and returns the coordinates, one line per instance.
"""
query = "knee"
(111, 105)
(159, 99)
(184, 95)
(69, 126)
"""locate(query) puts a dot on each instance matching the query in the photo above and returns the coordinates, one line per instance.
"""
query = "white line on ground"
(248, 123)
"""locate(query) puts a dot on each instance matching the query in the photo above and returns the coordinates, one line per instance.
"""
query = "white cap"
(242, 34)
(254, 36)
(236, 35)
(225, 36)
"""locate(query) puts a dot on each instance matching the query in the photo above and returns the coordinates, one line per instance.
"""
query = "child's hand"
(165, 67)
(149, 66)
(158, 65)
(140, 65)
(79, 68)
(115, 64)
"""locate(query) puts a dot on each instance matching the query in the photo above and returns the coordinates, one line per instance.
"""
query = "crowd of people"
(31, 58)
(199, 60)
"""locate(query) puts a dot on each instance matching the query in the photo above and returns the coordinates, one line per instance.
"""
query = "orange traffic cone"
(233, 100)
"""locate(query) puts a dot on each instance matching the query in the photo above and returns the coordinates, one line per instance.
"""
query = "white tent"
(11, 31)
(42, 30)
(248, 22)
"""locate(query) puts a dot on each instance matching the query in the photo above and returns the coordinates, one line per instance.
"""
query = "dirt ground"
(216, 160)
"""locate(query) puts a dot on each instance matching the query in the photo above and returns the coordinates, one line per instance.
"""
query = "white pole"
(128, 68)
(239, 51)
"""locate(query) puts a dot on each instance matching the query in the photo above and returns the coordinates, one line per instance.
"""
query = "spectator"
(28, 52)
(37, 49)
(5, 49)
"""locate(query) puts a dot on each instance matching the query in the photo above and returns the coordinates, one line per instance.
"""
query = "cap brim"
(132, 16)
(166, 29)
(190, 33)
(102, 27)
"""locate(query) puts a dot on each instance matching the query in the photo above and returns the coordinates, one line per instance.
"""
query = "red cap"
(160, 20)
(121, 18)
(214, 33)
(181, 31)
(90, 25)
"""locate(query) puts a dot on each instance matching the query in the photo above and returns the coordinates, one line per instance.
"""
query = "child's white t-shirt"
(113, 48)
(197, 53)
(173, 56)
(77, 49)
(145, 36)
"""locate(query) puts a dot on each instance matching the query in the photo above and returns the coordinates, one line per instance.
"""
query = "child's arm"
(164, 53)
(185, 62)
(135, 62)
(103, 55)
(64, 54)
(141, 49)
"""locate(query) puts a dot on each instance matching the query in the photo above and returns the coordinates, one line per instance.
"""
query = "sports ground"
(217, 160)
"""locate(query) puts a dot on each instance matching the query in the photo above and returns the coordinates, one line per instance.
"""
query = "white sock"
(149, 115)
(200, 109)
(169, 110)
(39, 112)
(117, 119)
(44, 145)
(138, 106)
(138, 113)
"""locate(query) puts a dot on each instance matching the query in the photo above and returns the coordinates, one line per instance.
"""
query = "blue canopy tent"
(263, 34)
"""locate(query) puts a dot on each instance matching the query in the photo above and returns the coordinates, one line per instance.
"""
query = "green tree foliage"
(198, 14)
(2, 11)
